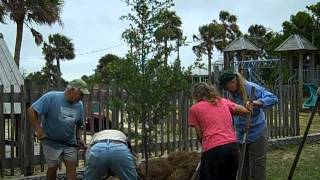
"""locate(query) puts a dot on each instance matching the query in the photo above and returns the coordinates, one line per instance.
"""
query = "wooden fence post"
(2, 131)
(22, 122)
(13, 130)
(42, 158)
(297, 109)
(29, 146)
(90, 114)
(107, 107)
(173, 121)
(99, 99)
(184, 121)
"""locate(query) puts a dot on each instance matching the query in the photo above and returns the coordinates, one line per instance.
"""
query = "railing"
(310, 75)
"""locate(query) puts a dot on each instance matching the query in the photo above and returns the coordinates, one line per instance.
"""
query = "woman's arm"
(240, 110)
(199, 133)
(264, 98)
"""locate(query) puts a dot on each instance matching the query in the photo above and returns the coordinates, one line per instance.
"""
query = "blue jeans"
(104, 157)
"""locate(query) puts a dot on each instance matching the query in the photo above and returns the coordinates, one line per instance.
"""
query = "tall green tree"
(261, 37)
(256, 33)
(91, 80)
(46, 78)
(209, 35)
(230, 29)
(28, 12)
(315, 14)
(168, 29)
(140, 75)
(58, 48)
(300, 23)
(101, 70)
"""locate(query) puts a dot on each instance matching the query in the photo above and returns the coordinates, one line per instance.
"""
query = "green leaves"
(2, 12)
(59, 47)
(37, 36)
(140, 82)
(28, 12)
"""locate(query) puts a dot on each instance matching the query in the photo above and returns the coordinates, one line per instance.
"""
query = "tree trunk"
(145, 143)
(166, 53)
(226, 62)
(18, 42)
(209, 67)
(58, 73)
(178, 49)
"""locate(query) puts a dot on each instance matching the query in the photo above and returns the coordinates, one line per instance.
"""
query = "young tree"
(141, 78)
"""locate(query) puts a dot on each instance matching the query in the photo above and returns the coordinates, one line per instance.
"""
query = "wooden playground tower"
(296, 51)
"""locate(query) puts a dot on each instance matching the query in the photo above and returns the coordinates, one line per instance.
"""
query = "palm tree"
(230, 29)
(59, 48)
(30, 12)
(256, 33)
(181, 41)
(210, 34)
(168, 29)
(101, 71)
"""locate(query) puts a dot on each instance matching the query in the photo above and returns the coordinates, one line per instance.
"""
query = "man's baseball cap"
(80, 84)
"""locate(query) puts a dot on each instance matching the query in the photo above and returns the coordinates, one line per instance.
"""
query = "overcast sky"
(95, 28)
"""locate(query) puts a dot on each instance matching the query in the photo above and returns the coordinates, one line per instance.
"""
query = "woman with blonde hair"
(211, 116)
(256, 153)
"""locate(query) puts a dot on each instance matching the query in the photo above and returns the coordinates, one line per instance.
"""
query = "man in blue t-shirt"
(58, 118)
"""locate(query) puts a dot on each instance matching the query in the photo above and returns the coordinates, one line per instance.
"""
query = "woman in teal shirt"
(256, 154)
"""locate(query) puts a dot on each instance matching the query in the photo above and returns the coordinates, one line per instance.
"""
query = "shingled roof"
(295, 43)
(240, 44)
(9, 71)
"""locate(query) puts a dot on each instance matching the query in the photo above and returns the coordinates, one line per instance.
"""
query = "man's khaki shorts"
(54, 155)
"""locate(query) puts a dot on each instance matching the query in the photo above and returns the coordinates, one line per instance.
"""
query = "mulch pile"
(177, 166)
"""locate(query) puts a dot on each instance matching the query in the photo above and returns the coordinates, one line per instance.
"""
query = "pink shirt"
(215, 122)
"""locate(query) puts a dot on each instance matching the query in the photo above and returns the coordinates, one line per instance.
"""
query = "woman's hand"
(249, 105)
(257, 103)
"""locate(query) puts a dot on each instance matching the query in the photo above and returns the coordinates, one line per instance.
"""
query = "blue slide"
(311, 89)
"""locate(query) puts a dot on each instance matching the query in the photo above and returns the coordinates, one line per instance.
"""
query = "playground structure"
(299, 62)
(9, 75)
(311, 90)
(302, 72)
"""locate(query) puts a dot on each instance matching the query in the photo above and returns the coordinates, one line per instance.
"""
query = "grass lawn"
(308, 168)
(315, 126)
(280, 160)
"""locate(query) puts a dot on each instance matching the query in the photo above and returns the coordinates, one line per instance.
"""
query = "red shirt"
(215, 122)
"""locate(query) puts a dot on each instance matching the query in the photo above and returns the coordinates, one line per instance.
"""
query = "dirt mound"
(177, 166)
(159, 169)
